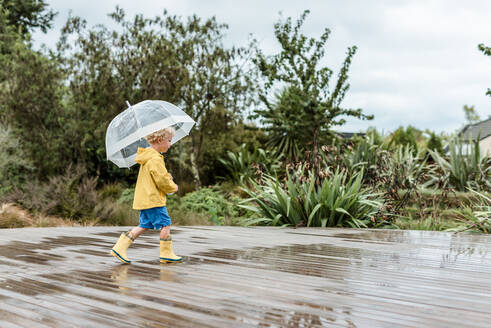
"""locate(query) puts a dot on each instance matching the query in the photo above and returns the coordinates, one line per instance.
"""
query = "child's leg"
(137, 231)
(165, 232)
(166, 252)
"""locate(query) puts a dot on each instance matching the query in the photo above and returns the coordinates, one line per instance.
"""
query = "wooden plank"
(246, 277)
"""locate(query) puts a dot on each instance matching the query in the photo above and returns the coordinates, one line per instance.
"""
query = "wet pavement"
(246, 277)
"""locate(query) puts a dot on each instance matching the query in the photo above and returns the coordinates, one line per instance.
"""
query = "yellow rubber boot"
(119, 250)
(166, 253)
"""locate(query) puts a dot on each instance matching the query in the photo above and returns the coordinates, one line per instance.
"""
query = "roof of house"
(349, 135)
(482, 128)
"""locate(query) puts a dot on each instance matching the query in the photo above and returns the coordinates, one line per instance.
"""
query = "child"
(153, 183)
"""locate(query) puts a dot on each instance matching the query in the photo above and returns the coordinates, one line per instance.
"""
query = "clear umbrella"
(127, 131)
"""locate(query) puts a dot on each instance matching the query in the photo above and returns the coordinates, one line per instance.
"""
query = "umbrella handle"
(128, 103)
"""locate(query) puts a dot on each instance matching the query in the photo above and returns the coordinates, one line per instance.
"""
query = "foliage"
(396, 173)
(465, 166)
(218, 208)
(487, 52)
(435, 143)
(71, 195)
(27, 15)
(223, 138)
(244, 165)
(307, 108)
(31, 104)
(363, 155)
(337, 201)
(180, 60)
(15, 167)
(208, 201)
(399, 176)
(431, 223)
(214, 79)
(478, 219)
(405, 137)
(470, 114)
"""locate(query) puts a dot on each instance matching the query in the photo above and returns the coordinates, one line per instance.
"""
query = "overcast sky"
(417, 61)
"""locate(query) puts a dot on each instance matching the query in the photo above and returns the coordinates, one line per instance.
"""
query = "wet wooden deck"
(246, 277)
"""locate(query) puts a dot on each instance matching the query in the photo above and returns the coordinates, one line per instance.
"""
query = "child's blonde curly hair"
(152, 137)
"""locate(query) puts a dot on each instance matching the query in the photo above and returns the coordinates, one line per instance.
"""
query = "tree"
(27, 15)
(166, 57)
(31, 104)
(214, 79)
(470, 114)
(307, 107)
(30, 88)
(105, 68)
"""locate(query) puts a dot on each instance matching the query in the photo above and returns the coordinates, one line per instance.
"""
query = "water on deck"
(246, 277)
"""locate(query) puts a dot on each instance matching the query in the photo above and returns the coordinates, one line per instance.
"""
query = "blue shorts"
(154, 218)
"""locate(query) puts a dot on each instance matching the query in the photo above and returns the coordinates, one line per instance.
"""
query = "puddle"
(35, 252)
(28, 252)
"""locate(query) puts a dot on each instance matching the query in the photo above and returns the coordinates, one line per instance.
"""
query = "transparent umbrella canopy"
(127, 130)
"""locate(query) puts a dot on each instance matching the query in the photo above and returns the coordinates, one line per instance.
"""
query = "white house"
(481, 129)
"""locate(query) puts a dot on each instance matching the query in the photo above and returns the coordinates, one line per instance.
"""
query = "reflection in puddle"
(122, 273)
(309, 260)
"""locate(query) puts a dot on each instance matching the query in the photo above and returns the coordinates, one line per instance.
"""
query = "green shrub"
(127, 196)
(112, 191)
(210, 201)
(405, 137)
(337, 201)
(73, 195)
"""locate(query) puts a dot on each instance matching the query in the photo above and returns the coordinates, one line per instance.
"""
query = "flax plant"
(337, 201)
(464, 169)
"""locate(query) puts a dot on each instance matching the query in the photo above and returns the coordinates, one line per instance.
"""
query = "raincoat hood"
(143, 155)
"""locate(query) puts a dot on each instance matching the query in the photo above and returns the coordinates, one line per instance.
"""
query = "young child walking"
(152, 186)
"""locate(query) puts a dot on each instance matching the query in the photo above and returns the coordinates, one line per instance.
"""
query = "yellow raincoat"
(154, 182)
